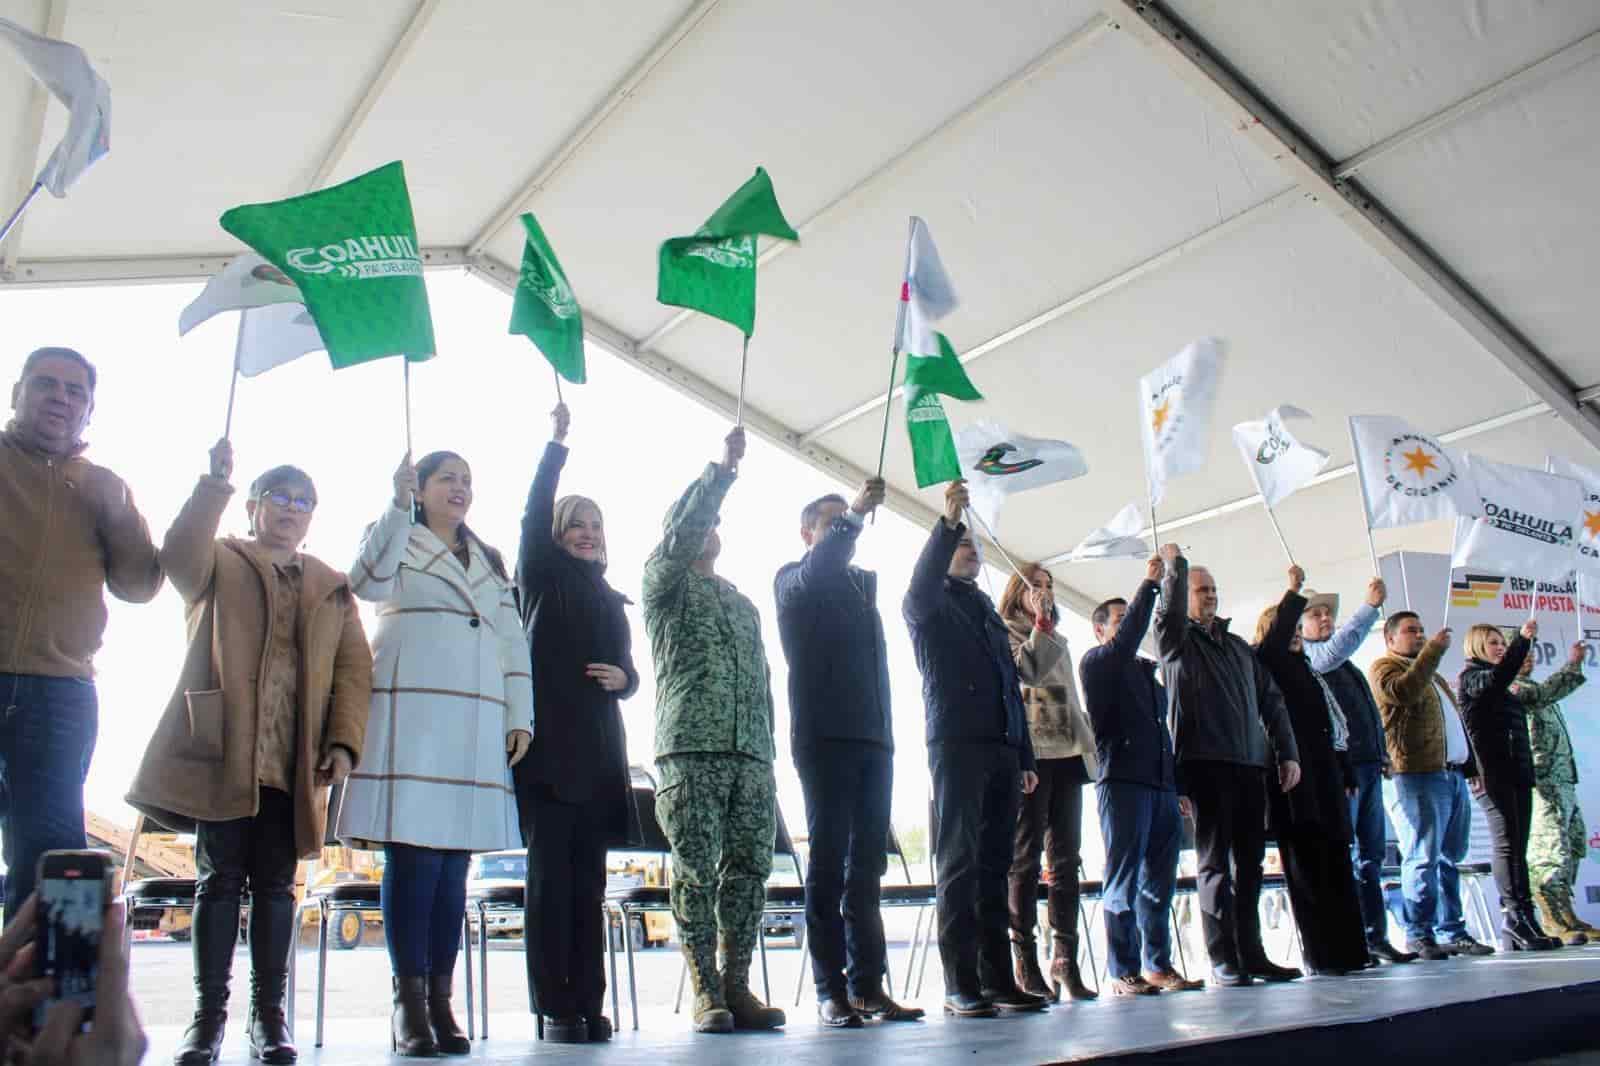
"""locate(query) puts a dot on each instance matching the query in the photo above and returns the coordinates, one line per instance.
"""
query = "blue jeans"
(424, 898)
(1432, 816)
(47, 733)
(1141, 830)
(1366, 850)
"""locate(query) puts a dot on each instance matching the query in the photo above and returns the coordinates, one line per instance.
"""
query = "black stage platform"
(1503, 1009)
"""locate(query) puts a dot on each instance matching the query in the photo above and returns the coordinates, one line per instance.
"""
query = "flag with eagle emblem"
(1175, 403)
(998, 462)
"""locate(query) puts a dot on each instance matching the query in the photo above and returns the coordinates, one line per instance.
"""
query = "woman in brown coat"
(1051, 818)
(269, 712)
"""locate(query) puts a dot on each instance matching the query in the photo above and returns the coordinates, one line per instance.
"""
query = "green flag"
(933, 448)
(352, 251)
(942, 373)
(544, 309)
(714, 271)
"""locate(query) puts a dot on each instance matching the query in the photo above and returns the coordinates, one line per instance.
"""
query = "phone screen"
(72, 901)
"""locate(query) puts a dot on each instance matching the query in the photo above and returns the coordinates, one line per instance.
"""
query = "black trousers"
(848, 790)
(259, 852)
(563, 926)
(1230, 816)
(1051, 820)
(1322, 892)
(1508, 808)
(976, 792)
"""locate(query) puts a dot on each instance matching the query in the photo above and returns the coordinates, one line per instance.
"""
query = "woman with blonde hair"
(1051, 817)
(573, 791)
(1497, 726)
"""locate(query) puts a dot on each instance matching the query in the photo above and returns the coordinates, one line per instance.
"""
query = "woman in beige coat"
(1051, 818)
(270, 710)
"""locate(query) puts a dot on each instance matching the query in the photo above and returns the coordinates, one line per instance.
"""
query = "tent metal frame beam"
(31, 139)
(1065, 47)
(1487, 425)
(569, 147)
(713, 397)
(157, 269)
(1193, 60)
(375, 89)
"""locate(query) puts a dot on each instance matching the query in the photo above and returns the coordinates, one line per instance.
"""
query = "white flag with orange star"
(1527, 524)
(1175, 403)
(1407, 476)
(1588, 529)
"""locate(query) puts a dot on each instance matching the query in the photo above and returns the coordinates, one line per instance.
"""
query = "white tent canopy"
(1384, 206)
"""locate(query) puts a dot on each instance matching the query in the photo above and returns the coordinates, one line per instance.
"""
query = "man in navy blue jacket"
(842, 735)
(981, 759)
(1138, 792)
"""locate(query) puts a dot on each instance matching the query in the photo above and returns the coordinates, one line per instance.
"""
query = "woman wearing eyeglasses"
(269, 711)
(452, 712)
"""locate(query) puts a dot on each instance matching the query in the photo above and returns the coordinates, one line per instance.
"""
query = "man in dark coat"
(843, 740)
(1223, 709)
(981, 759)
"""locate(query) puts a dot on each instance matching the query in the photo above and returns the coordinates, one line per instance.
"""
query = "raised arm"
(827, 562)
(691, 519)
(1397, 684)
(538, 545)
(1330, 654)
(1172, 621)
(927, 577)
(1555, 688)
(375, 575)
(1279, 635)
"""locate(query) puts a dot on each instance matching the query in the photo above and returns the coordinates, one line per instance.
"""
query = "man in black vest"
(843, 739)
(981, 759)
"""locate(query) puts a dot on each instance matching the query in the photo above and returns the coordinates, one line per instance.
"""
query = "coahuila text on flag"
(352, 251)
(1526, 523)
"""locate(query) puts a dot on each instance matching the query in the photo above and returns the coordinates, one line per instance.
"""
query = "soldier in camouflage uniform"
(717, 800)
(1557, 843)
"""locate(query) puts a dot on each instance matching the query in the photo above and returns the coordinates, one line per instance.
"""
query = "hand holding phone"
(74, 887)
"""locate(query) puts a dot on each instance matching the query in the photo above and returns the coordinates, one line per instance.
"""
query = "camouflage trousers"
(719, 812)
(1557, 843)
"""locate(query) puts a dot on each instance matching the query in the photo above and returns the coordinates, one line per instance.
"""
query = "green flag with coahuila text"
(544, 309)
(351, 249)
(714, 271)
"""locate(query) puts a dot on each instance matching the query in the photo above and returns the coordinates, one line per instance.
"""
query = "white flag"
(1279, 462)
(997, 462)
(273, 335)
(1175, 404)
(1588, 527)
(1117, 539)
(1528, 522)
(248, 281)
(65, 71)
(1406, 476)
(926, 294)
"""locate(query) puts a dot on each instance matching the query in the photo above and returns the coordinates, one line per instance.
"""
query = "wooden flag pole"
(16, 216)
(744, 366)
(1273, 518)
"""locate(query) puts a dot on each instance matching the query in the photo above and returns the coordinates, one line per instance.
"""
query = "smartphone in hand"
(73, 888)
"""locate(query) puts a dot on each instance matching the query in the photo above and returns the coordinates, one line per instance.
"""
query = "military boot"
(1553, 922)
(748, 1010)
(711, 1014)
(1574, 922)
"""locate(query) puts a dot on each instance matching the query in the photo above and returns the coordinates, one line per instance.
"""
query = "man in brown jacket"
(1430, 803)
(270, 710)
(68, 531)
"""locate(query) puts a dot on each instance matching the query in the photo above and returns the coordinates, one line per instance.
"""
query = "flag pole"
(1366, 499)
(1273, 518)
(16, 216)
(406, 363)
(557, 375)
(973, 516)
(233, 385)
(894, 345)
(744, 365)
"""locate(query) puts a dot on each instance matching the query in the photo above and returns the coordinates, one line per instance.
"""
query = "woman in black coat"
(574, 795)
(1312, 820)
(1497, 726)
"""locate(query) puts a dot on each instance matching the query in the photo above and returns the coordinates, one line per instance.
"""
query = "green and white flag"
(714, 271)
(544, 309)
(941, 373)
(933, 447)
(352, 251)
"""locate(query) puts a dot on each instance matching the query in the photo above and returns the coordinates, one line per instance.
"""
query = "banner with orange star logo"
(1527, 522)
(1406, 475)
(1175, 403)
(1588, 528)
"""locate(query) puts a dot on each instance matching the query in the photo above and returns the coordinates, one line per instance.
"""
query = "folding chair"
(628, 902)
(151, 893)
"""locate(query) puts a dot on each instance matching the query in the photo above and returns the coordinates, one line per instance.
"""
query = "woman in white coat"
(452, 711)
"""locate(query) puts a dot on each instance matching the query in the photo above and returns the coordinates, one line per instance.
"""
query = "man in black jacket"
(1138, 793)
(980, 755)
(1223, 707)
(843, 740)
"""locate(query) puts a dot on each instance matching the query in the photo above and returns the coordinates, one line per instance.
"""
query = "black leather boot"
(447, 1035)
(410, 1035)
(1025, 957)
(214, 932)
(1518, 934)
(271, 929)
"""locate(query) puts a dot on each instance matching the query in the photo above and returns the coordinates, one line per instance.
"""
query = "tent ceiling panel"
(214, 105)
(821, 101)
(490, 91)
(1507, 195)
(1095, 167)
(1353, 74)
